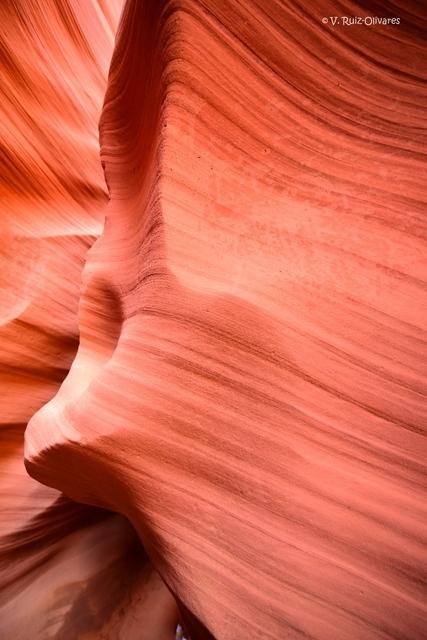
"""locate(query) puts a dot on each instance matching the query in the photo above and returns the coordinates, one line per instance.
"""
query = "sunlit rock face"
(248, 389)
(67, 571)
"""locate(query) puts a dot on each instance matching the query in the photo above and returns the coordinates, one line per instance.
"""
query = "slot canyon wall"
(213, 314)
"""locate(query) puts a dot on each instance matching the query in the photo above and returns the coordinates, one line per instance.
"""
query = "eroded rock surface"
(249, 386)
(67, 571)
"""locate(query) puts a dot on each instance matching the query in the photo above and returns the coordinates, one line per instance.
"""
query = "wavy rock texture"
(249, 385)
(66, 571)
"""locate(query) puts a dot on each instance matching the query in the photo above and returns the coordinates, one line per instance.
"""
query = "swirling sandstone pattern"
(249, 386)
(66, 571)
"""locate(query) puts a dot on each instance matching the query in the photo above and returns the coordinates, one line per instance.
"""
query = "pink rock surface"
(66, 571)
(249, 386)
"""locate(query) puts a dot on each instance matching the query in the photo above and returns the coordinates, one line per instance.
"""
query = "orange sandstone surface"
(67, 571)
(236, 310)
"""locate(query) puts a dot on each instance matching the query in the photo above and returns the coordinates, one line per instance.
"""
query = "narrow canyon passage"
(214, 325)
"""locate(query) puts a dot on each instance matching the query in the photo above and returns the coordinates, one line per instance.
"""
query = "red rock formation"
(66, 571)
(249, 387)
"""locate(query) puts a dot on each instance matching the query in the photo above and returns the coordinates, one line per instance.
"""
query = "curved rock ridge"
(66, 571)
(55, 57)
(249, 387)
